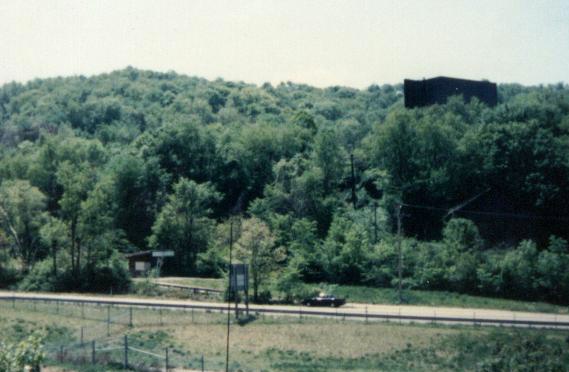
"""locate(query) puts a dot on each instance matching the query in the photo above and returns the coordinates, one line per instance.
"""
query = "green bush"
(8, 272)
(291, 287)
(15, 357)
(114, 276)
(211, 264)
(462, 234)
(104, 277)
(146, 287)
(509, 351)
(41, 278)
(264, 297)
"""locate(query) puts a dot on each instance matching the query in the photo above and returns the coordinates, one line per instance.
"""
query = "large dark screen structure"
(420, 93)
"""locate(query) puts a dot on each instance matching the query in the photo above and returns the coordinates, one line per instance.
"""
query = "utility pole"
(236, 300)
(229, 296)
(400, 268)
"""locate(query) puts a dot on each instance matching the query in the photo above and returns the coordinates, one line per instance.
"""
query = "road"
(403, 313)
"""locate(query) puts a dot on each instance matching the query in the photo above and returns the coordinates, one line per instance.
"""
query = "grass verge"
(281, 343)
(388, 296)
(441, 298)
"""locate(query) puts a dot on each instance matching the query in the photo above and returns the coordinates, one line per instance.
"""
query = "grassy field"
(411, 297)
(266, 344)
(434, 298)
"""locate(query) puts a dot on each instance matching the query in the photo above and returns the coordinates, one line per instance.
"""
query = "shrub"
(15, 357)
(264, 297)
(8, 270)
(146, 287)
(211, 264)
(102, 277)
(291, 287)
(510, 351)
(41, 278)
(462, 234)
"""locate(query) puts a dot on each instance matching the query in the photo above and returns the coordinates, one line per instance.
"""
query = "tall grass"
(292, 344)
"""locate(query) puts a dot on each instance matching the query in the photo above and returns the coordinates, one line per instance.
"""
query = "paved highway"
(404, 313)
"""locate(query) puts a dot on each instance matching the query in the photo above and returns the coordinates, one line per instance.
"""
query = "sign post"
(240, 282)
(160, 255)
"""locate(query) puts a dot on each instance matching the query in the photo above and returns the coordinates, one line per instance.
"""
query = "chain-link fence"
(123, 351)
(96, 329)
(106, 334)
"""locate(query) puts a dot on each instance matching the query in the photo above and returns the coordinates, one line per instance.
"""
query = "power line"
(498, 214)
(465, 203)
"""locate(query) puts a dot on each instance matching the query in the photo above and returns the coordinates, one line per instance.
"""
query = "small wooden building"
(140, 263)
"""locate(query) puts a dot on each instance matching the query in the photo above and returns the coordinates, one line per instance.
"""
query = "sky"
(318, 42)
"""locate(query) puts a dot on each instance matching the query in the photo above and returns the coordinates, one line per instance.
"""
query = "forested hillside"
(135, 160)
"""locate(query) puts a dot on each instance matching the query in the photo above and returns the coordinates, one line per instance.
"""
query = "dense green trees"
(256, 247)
(132, 160)
(183, 224)
(22, 214)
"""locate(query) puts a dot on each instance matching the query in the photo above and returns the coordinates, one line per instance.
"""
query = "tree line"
(91, 168)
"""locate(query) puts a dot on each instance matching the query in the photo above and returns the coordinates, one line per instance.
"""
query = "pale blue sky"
(354, 43)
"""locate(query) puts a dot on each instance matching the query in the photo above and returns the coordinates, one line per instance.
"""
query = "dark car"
(332, 301)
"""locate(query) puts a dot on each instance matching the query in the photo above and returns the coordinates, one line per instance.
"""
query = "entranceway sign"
(162, 253)
(240, 277)
(240, 282)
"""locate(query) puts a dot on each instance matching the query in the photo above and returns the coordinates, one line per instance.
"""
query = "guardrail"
(193, 289)
(302, 312)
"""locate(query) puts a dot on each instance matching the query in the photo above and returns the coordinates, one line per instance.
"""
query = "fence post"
(93, 352)
(160, 310)
(34, 302)
(82, 310)
(61, 353)
(57, 306)
(82, 336)
(108, 321)
(366, 313)
(166, 360)
(192, 314)
(130, 316)
(125, 351)
(13, 302)
(203, 364)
